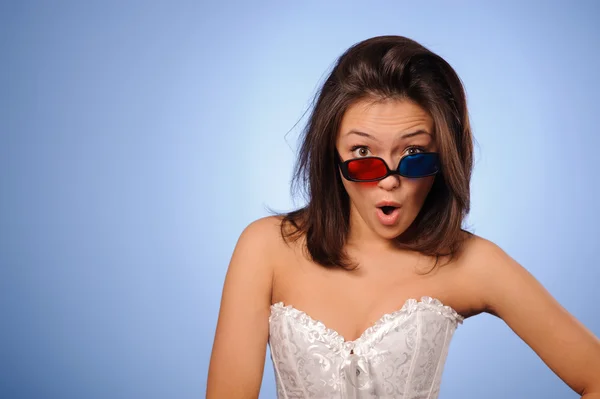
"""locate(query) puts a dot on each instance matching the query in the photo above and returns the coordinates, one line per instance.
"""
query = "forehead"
(385, 119)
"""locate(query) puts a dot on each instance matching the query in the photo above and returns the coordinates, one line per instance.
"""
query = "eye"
(361, 147)
(416, 147)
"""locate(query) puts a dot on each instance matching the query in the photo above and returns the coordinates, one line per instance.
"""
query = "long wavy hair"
(380, 68)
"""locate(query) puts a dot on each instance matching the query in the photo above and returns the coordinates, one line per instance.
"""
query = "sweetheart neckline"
(409, 306)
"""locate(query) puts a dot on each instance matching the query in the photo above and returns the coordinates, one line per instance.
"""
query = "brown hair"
(379, 68)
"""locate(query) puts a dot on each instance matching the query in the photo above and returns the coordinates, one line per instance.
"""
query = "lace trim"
(410, 306)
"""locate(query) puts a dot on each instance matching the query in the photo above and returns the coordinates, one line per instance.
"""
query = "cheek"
(357, 191)
(419, 189)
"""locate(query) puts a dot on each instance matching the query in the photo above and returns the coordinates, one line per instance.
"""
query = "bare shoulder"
(242, 325)
(476, 253)
(483, 263)
(264, 228)
(262, 237)
(264, 231)
(509, 291)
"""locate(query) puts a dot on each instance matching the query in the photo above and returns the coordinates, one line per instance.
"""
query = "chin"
(390, 236)
(389, 232)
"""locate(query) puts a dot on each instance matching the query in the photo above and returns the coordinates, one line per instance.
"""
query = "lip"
(388, 220)
(388, 203)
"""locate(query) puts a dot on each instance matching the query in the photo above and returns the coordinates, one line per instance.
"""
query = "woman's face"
(378, 129)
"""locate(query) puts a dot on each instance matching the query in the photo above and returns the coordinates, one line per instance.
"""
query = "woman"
(359, 292)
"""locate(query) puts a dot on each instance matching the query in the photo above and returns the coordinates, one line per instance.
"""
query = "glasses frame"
(345, 172)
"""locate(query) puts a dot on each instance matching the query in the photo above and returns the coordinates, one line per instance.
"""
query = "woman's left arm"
(510, 292)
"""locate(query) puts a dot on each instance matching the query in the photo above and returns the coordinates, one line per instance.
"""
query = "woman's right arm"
(239, 350)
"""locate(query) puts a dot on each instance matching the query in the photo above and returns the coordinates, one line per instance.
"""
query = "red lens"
(366, 169)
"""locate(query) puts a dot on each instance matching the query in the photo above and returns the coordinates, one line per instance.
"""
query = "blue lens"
(419, 165)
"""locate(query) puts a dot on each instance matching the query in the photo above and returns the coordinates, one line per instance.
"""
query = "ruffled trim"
(410, 306)
(304, 319)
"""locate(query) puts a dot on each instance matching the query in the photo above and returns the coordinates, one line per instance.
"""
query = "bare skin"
(483, 278)
(387, 277)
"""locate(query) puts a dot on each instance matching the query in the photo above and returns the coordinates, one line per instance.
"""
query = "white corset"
(401, 356)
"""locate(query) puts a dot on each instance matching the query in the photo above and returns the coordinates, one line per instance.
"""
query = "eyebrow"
(405, 136)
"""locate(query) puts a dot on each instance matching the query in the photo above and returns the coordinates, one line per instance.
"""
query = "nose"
(390, 182)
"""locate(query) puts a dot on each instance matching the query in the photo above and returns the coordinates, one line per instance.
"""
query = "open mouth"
(388, 209)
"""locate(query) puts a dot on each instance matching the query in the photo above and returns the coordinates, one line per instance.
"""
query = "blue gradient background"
(138, 139)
